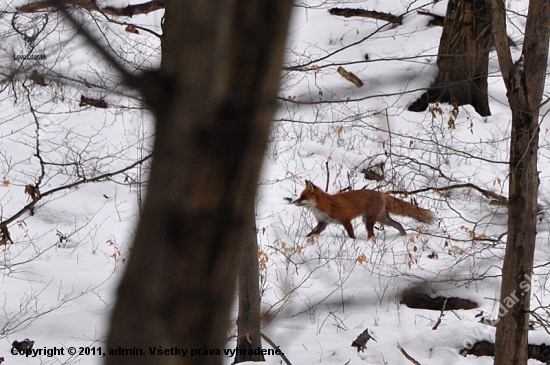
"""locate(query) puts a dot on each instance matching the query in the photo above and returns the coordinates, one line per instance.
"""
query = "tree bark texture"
(463, 57)
(524, 82)
(249, 319)
(224, 60)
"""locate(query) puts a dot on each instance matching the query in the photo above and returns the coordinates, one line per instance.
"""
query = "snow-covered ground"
(318, 293)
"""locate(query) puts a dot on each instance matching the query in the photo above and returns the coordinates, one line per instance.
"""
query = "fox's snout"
(303, 202)
(298, 201)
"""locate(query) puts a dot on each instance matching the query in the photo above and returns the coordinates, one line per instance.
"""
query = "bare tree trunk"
(224, 59)
(525, 85)
(463, 57)
(249, 320)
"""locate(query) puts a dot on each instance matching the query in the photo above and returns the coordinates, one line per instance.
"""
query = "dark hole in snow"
(435, 302)
(484, 348)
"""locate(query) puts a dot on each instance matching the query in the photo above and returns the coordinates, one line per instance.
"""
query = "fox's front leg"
(349, 228)
(317, 230)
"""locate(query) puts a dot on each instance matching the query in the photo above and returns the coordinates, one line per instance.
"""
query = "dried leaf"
(33, 192)
(5, 236)
(350, 77)
(361, 341)
(97, 103)
(433, 256)
(131, 29)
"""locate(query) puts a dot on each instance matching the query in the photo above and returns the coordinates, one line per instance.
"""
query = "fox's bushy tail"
(400, 207)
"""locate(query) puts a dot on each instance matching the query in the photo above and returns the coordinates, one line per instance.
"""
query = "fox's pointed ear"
(310, 186)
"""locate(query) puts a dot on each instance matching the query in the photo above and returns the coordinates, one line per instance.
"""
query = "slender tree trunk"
(249, 320)
(525, 85)
(463, 57)
(224, 59)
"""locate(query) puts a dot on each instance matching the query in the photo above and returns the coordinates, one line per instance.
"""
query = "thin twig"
(328, 175)
(409, 357)
(275, 347)
(441, 315)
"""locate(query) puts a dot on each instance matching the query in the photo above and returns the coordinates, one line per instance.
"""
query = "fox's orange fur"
(372, 206)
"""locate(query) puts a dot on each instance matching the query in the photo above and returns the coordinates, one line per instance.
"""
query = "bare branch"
(487, 193)
(83, 181)
(155, 88)
(91, 5)
(272, 344)
(347, 12)
(438, 20)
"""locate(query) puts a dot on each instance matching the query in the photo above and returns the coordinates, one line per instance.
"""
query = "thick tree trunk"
(463, 57)
(249, 320)
(525, 85)
(224, 58)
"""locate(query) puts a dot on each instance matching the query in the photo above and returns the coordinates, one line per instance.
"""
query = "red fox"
(372, 206)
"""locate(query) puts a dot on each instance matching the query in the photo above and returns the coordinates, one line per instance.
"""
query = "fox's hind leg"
(386, 220)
